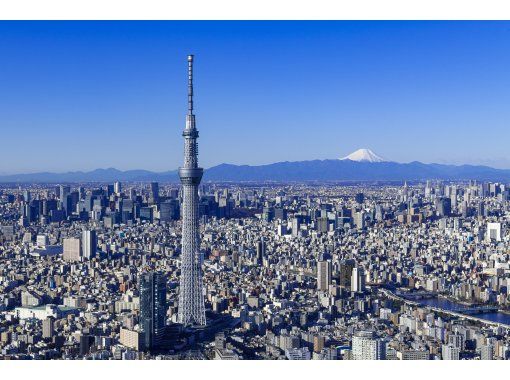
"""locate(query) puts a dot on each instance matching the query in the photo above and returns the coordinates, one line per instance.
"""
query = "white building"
(367, 346)
(493, 232)
(298, 354)
(89, 242)
(358, 280)
(42, 241)
(450, 352)
(43, 312)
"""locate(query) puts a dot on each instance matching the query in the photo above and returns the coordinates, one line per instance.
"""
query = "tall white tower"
(191, 298)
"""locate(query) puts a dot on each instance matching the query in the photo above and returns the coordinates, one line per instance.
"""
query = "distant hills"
(316, 170)
(98, 175)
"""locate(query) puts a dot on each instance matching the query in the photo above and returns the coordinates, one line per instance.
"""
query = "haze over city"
(114, 92)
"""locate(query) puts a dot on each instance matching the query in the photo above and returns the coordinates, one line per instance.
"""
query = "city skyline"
(276, 262)
(112, 92)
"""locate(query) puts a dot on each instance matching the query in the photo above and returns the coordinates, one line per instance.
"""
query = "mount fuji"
(364, 155)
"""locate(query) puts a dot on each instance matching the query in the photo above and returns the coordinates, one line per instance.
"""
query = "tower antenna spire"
(190, 84)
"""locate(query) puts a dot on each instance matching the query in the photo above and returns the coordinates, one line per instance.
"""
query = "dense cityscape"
(297, 271)
(290, 271)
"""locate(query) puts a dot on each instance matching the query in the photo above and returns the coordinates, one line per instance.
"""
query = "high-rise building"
(367, 346)
(191, 298)
(117, 188)
(268, 214)
(89, 244)
(48, 328)
(487, 352)
(450, 352)
(64, 191)
(27, 196)
(295, 226)
(169, 210)
(359, 220)
(72, 249)
(323, 275)
(346, 267)
(322, 224)
(318, 343)
(70, 202)
(110, 189)
(154, 192)
(152, 308)
(443, 206)
(261, 250)
(85, 344)
(358, 280)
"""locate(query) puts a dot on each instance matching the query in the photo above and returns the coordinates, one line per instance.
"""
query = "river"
(446, 304)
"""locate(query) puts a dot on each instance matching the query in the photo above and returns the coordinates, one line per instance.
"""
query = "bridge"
(416, 295)
(471, 310)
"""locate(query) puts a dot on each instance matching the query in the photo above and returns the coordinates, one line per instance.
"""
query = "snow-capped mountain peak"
(364, 155)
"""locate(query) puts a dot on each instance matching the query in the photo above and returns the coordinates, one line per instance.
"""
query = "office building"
(358, 280)
(153, 308)
(154, 192)
(72, 249)
(323, 275)
(89, 244)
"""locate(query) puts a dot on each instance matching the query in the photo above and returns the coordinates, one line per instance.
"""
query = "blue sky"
(84, 95)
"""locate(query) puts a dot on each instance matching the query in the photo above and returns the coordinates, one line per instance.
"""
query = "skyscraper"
(89, 244)
(48, 328)
(154, 197)
(64, 190)
(346, 267)
(152, 308)
(191, 298)
(358, 280)
(323, 275)
(261, 251)
(117, 187)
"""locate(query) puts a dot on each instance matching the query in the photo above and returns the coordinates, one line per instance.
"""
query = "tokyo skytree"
(191, 298)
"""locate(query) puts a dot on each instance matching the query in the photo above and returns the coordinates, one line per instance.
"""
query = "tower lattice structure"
(191, 298)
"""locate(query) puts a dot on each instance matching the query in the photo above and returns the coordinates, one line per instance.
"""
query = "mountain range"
(315, 170)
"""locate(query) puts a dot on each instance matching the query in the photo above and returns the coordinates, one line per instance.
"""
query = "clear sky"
(85, 95)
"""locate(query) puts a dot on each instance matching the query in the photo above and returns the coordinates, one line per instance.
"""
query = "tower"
(191, 298)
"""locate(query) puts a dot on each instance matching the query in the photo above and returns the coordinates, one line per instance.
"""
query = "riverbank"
(444, 305)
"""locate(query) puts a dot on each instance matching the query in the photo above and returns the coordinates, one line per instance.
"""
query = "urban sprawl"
(290, 271)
